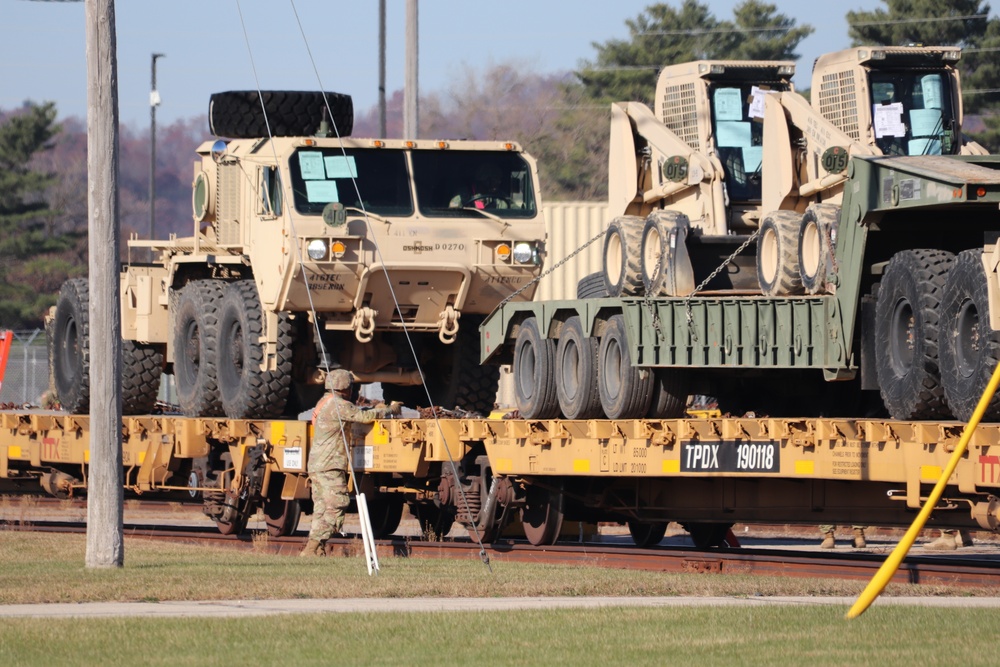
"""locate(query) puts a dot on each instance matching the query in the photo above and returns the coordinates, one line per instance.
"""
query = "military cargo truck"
(873, 282)
(314, 250)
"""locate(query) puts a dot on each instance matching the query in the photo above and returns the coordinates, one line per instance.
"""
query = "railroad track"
(952, 570)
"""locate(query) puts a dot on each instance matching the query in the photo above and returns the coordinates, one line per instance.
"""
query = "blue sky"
(43, 50)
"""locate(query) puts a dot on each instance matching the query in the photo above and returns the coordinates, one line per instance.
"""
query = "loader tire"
(622, 249)
(71, 347)
(247, 114)
(777, 254)
(817, 245)
(664, 263)
(247, 391)
(969, 347)
(195, 340)
(907, 333)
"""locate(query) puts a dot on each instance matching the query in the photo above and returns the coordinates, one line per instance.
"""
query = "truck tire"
(576, 372)
(817, 244)
(246, 391)
(626, 391)
(777, 254)
(670, 393)
(592, 287)
(969, 347)
(622, 250)
(534, 373)
(195, 340)
(71, 346)
(247, 114)
(664, 262)
(907, 334)
(142, 367)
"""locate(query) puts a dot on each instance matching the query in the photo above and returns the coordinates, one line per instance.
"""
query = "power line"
(926, 19)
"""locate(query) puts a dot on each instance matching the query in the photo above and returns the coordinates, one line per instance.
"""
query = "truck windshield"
(912, 113)
(323, 175)
(449, 183)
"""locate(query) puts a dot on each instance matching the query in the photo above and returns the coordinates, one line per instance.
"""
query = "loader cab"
(912, 113)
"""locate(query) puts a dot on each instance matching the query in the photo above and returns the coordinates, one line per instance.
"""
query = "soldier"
(828, 537)
(328, 463)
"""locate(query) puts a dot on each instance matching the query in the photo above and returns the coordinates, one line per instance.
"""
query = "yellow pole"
(891, 564)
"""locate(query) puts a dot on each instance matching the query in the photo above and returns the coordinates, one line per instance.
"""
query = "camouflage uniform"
(327, 464)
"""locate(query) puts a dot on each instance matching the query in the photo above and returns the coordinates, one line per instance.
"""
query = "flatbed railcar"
(705, 473)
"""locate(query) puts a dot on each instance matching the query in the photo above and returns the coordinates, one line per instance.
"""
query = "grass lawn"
(49, 568)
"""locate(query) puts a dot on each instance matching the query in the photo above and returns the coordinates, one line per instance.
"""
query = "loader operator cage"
(738, 129)
(912, 112)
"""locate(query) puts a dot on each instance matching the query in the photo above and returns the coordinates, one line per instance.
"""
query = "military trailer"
(314, 250)
(859, 277)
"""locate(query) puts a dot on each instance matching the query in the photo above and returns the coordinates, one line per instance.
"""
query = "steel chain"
(713, 274)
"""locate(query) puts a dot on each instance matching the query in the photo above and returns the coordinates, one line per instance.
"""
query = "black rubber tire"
(195, 340)
(647, 534)
(778, 255)
(142, 367)
(969, 348)
(542, 516)
(622, 249)
(534, 373)
(240, 114)
(907, 334)
(670, 393)
(243, 512)
(708, 535)
(246, 391)
(576, 372)
(592, 286)
(71, 347)
(662, 232)
(817, 245)
(385, 512)
(280, 516)
(625, 391)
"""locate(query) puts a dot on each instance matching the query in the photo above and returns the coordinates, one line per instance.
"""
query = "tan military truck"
(314, 250)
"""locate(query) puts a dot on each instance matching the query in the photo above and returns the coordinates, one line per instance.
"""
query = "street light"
(154, 101)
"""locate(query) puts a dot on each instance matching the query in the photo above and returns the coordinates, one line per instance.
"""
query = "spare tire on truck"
(248, 114)
(71, 346)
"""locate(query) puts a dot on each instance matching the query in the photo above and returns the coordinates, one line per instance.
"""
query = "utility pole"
(154, 101)
(105, 495)
(411, 112)
(381, 69)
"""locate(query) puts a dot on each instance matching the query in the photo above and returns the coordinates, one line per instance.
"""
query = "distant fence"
(27, 375)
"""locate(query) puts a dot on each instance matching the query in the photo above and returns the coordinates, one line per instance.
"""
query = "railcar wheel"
(592, 286)
(969, 347)
(647, 534)
(708, 535)
(71, 346)
(236, 504)
(576, 372)
(534, 373)
(907, 334)
(385, 513)
(435, 523)
(816, 247)
(670, 393)
(142, 367)
(196, 337)
(542, 516)
(777, 254)
(281, 516)
(622, 248)
(247, 391)
(249, 114)
(625, 391)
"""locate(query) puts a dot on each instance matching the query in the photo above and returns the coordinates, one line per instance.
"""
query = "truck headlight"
(316, 250)
(522, 252)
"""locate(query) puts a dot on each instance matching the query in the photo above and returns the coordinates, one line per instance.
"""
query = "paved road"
(233, 608)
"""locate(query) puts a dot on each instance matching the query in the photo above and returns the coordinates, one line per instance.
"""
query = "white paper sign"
(757, 102)
(930, 85)
(925, 122)
(752, 156)
(728, 104)
(291, 458)
(322, 191)
(311, 165)
(923, 146)
(364, 457)
(732, 134)
(341, 166)
(888, 120)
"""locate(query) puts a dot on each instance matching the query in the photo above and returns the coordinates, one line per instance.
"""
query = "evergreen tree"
(33, 259)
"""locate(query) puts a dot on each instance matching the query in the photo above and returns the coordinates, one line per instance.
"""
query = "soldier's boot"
(963, 539)
(313, 548)
(946, 542)
(828, 540)
(859, 538)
